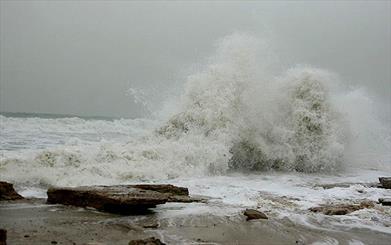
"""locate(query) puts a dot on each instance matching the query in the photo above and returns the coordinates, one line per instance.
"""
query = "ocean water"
(239, 133)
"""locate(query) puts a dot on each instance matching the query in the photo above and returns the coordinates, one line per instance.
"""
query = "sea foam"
(235, 114)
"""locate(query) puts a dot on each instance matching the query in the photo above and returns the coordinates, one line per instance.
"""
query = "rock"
(385, 201)
(385, 182)
(341, 209)
(3, 237)
(120, 198)
(151, 225)
(175, 190)
(7, 192)
(148, 241)
(186, 199)
(254, 214)
(346, 185)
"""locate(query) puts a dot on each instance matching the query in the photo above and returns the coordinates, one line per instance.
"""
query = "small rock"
(200, 240)
(7, 192)
(53, 242)
(385, 201)
(254, 214)
(148, 241)
(385, 182)
(341, 209)
(3, 237)
(151, 225)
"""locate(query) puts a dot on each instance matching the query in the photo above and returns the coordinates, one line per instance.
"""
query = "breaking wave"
(234, 115)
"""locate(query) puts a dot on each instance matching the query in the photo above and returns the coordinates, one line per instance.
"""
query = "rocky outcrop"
(254, 214)
(7, 192)
(148, 241)
(120, 198)
(385, 182)
(3, 237)
(385, 201)
(341, 209)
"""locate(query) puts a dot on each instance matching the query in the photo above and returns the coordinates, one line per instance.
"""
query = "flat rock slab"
(254, 214)
(119, 198)
(385, 182)
(341, 209)
(385, 201)
(7, 192)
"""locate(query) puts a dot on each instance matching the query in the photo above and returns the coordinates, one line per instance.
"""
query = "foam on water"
(235, 114)
(287, 132)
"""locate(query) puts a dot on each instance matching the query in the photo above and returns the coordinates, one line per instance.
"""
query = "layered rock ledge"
(125, 199)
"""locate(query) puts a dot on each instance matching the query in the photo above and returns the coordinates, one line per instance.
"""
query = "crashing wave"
(233, 115)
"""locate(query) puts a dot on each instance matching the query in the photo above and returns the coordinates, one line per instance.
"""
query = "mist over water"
(235, 114)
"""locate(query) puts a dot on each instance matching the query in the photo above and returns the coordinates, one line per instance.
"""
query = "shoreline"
(32, 221)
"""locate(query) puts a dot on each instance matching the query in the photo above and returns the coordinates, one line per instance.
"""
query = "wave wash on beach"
(236, 114)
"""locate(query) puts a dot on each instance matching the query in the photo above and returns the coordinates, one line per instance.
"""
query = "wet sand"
(34, 222)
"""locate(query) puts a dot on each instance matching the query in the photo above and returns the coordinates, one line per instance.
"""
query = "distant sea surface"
(32, 131)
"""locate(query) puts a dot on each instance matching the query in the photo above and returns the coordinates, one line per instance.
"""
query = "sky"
(81, 57)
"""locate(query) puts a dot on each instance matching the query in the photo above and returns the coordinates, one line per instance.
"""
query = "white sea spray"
(234, 115)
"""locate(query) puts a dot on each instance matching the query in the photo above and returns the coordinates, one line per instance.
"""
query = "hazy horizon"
(80, 58)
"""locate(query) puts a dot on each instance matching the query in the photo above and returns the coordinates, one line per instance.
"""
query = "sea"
(237, 134)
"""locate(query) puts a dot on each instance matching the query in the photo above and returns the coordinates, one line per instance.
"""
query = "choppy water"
(233, 118)
(21, 131)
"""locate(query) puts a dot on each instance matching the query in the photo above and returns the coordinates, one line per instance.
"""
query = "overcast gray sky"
(80, 57)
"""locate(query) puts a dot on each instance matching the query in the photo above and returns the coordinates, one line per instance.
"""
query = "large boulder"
(7, 192)
(120, 198)
(341, 209)
(385, 182)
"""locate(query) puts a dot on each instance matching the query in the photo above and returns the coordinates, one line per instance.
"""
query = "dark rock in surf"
(148, 241)
(341, 209)
(124, 199)
(346, 185)
(3, 237)
(151, 225)
(254, 214)
(385, 182)
(7, 192)
(385, 201)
